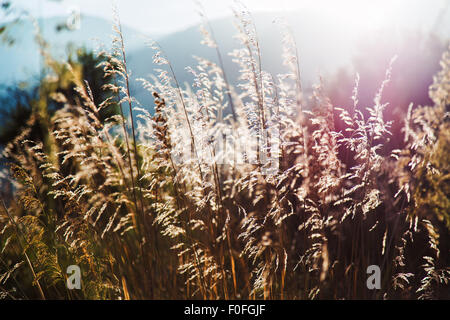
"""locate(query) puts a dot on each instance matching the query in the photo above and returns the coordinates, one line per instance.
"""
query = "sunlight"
(364, 15)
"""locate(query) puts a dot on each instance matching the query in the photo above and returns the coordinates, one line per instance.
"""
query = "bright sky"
(160, 17)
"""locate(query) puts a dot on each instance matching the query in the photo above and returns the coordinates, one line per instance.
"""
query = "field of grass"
(224, 192)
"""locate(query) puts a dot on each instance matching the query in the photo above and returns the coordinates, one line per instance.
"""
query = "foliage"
(223, 192)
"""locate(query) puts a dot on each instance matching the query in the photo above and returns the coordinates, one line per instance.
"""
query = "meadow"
(223, 191)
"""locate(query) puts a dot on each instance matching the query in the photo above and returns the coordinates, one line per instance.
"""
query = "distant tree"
(15, 107)
(19, 102)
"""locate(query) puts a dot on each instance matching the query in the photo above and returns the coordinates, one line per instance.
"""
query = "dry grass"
(153, 206)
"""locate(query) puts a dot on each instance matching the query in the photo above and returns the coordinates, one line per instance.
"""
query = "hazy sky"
(160, 17)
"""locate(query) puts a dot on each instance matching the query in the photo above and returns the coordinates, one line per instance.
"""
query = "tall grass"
(227, 192)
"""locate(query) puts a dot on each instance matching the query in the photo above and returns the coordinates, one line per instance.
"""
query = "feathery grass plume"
(225, 192)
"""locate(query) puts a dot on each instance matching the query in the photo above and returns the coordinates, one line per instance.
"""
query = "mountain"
(327, 48)
(323, 47)
(325, 44)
